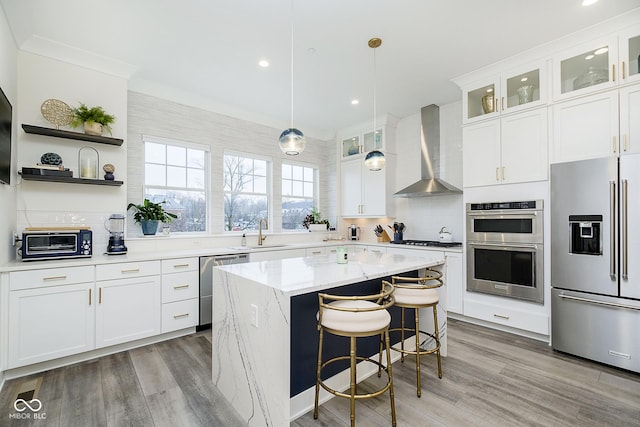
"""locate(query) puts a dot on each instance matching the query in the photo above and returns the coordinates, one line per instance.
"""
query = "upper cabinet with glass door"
(357, 145)
(586, 68)
(513, 90)
(351, 146)
(629, 51)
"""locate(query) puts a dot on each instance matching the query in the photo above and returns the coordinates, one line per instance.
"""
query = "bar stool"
(417, 293)
(353, 317)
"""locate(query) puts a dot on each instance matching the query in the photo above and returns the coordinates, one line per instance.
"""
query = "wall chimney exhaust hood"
(430, 184)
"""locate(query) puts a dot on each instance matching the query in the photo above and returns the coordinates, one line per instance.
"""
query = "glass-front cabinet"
(515, 89)
(585, 68)
(361, 144)
(629, 47)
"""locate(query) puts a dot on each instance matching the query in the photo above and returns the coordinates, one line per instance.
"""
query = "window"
(298, 194)
(177, 173)
(246, 186)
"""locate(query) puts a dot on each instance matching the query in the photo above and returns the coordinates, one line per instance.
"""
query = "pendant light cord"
(291, 64)
(374, 99)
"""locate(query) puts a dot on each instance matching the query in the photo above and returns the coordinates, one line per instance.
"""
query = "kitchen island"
(264, 328)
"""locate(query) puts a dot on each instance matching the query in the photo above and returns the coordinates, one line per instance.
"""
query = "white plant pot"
(318, 227)
(92, 128)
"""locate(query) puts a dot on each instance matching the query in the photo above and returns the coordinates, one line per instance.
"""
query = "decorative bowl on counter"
(593, 76)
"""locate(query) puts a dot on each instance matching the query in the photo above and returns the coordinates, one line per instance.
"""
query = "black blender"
(116, 235)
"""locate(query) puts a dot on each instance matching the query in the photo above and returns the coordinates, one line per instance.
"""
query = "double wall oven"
(505, 249)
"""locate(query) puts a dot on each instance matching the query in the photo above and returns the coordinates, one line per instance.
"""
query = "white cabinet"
(507, 150)
(128, 302)
(503, 314)
(180, 293)
(365, 193)
(515, 89)
(599, 125)
(454, 281)
(51, 314)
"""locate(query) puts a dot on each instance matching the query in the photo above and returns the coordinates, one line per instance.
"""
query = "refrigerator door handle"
(612, 230)
(592, 301)
(623, 233)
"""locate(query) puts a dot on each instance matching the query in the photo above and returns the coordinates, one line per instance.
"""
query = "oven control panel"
(527, 204)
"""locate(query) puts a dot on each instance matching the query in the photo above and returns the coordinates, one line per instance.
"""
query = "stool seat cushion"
(355, 322)
(416, 296)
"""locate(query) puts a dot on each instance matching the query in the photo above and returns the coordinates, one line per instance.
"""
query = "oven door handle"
(505, 245)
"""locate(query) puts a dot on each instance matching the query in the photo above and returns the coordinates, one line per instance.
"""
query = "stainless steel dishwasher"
(206, 283)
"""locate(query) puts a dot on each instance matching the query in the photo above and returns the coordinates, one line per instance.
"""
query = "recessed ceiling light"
(355, 102)
(588, 57)
(311, 50)
(601, 50)
(524, 79)
(263, 63)
(589, 2)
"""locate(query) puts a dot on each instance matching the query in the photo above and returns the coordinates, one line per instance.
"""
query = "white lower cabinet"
(454, 281)
(127, 308)
(51, 314)
(514, 317)
(180, 294)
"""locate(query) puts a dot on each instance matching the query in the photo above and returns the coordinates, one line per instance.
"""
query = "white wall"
(9, 84)
(46, 203)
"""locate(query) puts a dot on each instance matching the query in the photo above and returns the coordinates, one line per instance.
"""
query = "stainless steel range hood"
(430, 184)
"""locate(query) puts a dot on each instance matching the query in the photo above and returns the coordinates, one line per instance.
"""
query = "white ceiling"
(205, 52)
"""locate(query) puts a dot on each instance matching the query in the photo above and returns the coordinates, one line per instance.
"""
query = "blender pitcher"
(115, 227)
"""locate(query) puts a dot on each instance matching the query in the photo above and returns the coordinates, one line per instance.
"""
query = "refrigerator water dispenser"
(585, 234)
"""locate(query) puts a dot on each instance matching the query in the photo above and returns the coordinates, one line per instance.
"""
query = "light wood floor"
(490, 379)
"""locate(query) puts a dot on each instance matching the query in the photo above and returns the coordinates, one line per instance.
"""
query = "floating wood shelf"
(58, 133)
(70, 180)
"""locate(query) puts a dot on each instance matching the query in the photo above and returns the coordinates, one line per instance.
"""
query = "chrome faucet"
(261, 238)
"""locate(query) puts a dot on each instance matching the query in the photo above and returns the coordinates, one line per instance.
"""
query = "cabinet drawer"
(178, 265)
(179, 315)
(180, 286)
(127, 269)
(50, 277)
(526, 320)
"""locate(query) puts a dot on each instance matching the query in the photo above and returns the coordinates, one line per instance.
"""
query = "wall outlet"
(254, 315)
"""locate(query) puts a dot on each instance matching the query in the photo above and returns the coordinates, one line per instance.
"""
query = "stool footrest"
(414, 352)
(362, 395)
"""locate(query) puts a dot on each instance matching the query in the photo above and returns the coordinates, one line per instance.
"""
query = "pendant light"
(292, 141)
(374, 160)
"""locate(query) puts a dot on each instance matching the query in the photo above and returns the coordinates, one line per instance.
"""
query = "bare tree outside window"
(245, 192)
(299, 194)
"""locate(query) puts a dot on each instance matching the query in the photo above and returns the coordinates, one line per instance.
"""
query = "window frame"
(207, 175)
(316, 187)
(268, 186)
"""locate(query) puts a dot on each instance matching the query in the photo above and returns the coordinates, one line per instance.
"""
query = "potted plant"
(149, 215)
(94, 119)
(314, 221)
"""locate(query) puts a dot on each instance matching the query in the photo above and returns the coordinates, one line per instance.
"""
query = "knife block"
(384, 237)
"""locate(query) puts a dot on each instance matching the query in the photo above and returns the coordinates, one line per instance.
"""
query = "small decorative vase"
(487, 103)
(354, 149)
(150, 227)
(525, 94)
(109, 176)
(92, 128)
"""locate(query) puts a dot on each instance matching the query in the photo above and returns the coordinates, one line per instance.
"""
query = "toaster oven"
(56, 244)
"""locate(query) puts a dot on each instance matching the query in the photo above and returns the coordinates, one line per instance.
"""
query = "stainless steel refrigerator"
(595, 259)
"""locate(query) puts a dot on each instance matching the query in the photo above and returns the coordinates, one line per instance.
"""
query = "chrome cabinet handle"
(623, 232)
(180, 316)
(501, 316)
(612, 229)
(593, 301)
(131, 270)
(180, 265)
(180, 286)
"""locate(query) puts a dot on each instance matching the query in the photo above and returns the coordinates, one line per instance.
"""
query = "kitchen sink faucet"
(262, 238)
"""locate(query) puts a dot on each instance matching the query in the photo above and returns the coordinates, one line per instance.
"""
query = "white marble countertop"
(97, 259)
(295, 276)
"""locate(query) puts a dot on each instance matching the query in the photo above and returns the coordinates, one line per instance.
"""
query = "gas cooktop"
(433, 243)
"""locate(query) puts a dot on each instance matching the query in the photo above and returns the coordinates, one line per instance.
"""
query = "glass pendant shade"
(292, 142)
(374, 160)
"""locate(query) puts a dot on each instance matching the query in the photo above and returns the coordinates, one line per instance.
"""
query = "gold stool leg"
(352, 357)
(391, 394)
(418, 352)
(380, 356)
(437, 338)
(315, 406)
(402, 334)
